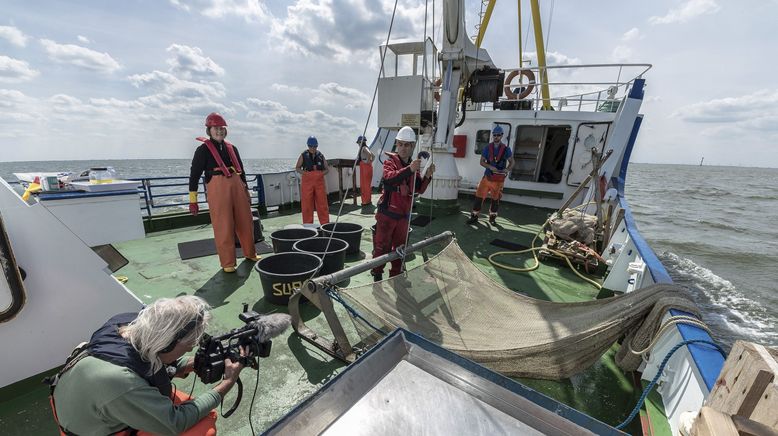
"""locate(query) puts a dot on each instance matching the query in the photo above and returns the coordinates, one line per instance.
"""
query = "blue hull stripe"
(709, 362)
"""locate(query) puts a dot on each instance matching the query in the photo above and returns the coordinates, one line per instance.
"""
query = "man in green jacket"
(124, 381)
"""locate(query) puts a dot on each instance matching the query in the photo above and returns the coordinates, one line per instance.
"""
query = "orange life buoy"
(437, 93)
(527, 91)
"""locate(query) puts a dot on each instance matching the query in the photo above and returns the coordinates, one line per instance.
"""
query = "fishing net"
(449, 301)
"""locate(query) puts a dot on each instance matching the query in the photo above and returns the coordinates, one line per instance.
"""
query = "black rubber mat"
(111, 256)
(422, 220)
(206, 247)
(508, 245)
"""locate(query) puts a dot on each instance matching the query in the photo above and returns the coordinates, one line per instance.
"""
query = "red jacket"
(396, 199)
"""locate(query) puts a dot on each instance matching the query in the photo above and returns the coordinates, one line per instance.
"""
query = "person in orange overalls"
(497, 158)
(228, 195)
(366, 158)
(313, 166)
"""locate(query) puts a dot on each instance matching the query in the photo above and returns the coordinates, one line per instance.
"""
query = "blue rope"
(651, 385)
(337, 297)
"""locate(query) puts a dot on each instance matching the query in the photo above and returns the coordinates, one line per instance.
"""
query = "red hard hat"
(215, 120)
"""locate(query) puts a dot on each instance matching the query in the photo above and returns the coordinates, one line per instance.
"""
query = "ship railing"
(165, 194)
(571, 90)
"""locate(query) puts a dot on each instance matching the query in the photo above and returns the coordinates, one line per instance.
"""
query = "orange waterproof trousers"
(230, 210)
(314, 195)
(365, 182)
(204, 427)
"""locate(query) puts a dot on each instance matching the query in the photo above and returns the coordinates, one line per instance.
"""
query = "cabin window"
(484, 137)
(540, 153)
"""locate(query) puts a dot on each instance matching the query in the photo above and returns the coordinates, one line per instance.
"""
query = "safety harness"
(220, 162)
(315, 163)
(108, 345)
(498, 161)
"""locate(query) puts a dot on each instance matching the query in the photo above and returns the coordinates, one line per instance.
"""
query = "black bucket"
(349, 232)
(333, 258)
(281, 273)
(283, 240)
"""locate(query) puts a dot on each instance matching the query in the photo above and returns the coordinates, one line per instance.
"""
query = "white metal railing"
(578, 93)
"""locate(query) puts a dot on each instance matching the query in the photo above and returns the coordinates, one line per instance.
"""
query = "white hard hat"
(406, 134)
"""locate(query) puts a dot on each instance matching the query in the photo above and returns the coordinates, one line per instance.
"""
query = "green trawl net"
(449, 301)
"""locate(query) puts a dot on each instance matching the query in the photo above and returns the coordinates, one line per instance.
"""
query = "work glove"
(194, 208)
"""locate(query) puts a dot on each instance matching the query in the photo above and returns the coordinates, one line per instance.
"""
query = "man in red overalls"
(365, 171)
(313, 166)
(394, 206)
(228, 195)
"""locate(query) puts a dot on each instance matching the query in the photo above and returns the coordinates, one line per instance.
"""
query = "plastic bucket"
(281, 273)
(349, 232)
(283, 240)
(333, 258)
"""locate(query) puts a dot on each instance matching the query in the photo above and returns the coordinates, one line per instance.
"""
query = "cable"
(254, 395)
(661, 368)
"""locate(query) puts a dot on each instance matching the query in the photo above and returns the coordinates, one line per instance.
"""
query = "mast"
(536, 24)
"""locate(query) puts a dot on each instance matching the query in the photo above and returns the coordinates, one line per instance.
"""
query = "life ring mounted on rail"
(527, 90)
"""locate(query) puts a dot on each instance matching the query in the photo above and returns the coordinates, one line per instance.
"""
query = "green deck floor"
(295, 368)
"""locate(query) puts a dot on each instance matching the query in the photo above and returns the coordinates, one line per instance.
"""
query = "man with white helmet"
(400, 182)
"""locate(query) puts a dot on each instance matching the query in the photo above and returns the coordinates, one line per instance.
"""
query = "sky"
(134, 79)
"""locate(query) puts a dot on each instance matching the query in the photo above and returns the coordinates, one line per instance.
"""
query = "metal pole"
(343, 274)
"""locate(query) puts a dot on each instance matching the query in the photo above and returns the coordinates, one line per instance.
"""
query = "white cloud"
(174, 95)
(623, 51)
(687, 11)
(190, 61)
(344, 31)
(179, 5)
(15, 70)
(328, 94)
(13, 35)
(83, 39)
(80, 56)
(754, 106)
(631, 35)
(249, 10)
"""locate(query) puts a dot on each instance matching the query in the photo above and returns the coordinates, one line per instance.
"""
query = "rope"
(335, 295)
(673, 320)
(364, 130)
(651, 385)
(533, 249)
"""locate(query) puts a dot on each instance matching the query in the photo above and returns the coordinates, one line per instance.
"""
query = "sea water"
(712, 227)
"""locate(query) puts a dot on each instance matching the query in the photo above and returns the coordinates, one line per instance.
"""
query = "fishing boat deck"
(295, 368)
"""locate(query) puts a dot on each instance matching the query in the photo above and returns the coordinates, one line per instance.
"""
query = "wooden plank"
(747, 384)
(766, 411)
(711, 422)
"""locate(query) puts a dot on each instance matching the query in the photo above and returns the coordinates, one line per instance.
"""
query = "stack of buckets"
(301, 255)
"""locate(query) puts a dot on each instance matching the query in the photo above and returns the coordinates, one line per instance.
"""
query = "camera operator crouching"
(120, 382)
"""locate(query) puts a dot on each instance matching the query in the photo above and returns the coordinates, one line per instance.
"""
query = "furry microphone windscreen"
(270, 326)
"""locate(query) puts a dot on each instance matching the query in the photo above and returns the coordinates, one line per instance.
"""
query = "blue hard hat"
(361, 139)
(497, 130)
(312, 141)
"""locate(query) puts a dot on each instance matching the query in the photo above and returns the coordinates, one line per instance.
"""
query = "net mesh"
(449, 301)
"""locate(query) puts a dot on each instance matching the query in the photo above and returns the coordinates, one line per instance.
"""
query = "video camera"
(254, 336)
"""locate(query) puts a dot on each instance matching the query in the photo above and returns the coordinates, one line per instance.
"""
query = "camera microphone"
(270, 326)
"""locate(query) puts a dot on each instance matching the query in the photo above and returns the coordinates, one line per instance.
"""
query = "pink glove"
(194, 209)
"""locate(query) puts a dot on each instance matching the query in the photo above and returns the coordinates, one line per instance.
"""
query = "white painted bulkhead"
(69, 291)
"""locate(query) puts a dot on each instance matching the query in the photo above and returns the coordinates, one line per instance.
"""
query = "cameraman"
(121, 381)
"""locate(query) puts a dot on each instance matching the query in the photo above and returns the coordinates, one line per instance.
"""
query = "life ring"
(437, 93)
(527, 91)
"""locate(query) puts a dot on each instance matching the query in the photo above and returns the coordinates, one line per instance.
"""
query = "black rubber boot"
(473, 219)
(493, 220)
(378, 277)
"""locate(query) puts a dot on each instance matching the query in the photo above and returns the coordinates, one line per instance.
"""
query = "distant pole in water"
(703, 158)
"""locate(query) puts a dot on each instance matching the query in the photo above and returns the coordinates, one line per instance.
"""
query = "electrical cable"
(254, 395)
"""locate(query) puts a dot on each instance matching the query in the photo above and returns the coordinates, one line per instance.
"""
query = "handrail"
(12, 276)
